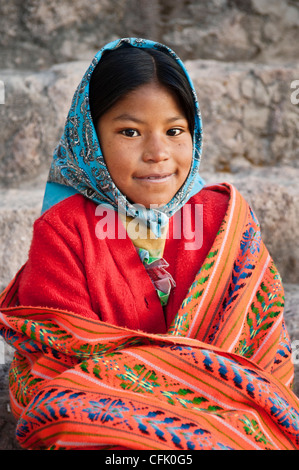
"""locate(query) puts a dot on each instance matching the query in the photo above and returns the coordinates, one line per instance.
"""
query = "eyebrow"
(129, 117)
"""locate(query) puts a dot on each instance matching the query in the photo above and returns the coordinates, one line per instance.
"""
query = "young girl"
(149, 314)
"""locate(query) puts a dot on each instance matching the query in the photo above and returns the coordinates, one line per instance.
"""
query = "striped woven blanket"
(219, 379)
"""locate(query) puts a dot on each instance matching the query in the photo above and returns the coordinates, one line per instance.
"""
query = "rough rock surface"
(36, 106)
(248, 114)
(243, 58)
(42, 33)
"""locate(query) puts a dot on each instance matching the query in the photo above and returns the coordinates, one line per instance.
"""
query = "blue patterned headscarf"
(78, 164)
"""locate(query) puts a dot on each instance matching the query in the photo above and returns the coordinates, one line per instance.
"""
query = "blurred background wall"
(36, 34)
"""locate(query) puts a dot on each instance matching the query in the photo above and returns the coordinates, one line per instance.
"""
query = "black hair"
(123, 70)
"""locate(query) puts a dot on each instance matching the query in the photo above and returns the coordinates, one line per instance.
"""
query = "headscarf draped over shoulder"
(78, 165)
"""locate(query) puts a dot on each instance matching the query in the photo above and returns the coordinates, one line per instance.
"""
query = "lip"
(155, 177)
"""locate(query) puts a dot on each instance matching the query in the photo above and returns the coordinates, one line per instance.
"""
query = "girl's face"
(147, 145)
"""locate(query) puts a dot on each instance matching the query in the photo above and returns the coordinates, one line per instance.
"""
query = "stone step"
(32, 119)
(250, 114)
(273, 194)
(249, 111)
(19, 208)
(44, 33)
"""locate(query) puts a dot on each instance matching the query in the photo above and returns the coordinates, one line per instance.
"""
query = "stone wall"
(45, 32)
(243, 58)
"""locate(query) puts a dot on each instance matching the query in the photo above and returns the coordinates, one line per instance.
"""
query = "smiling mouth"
(155, 178)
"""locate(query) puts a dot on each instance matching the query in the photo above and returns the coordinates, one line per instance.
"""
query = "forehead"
(149, 98)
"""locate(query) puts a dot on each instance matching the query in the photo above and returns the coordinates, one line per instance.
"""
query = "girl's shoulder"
(69, 212)
(210, 195)
(214, 200)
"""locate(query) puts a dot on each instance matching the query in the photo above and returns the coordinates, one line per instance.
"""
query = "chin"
(154, 201)
(156, 204)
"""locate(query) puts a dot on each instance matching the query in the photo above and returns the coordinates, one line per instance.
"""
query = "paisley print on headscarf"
(78, 164)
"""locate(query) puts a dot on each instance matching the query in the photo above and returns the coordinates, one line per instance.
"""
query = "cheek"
(110, 153)
(119, 169)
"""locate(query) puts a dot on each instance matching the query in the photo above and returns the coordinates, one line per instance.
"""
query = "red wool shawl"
(219, 379)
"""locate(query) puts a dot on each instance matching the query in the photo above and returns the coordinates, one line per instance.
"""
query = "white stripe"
(14, 401)
(39, 374)
(237, 432)
(81, 444)
(290, 380)
(92, 379)
(211, 397)
(271, 331)
(89, 340)
(4, 320)
(217, 262)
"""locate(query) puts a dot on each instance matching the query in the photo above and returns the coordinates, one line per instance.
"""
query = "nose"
(155, 149)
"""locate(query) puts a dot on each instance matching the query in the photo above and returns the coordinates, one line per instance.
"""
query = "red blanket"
(219, 379)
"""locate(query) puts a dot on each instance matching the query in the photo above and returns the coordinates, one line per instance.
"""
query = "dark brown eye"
(130, 132)
(175, 131)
